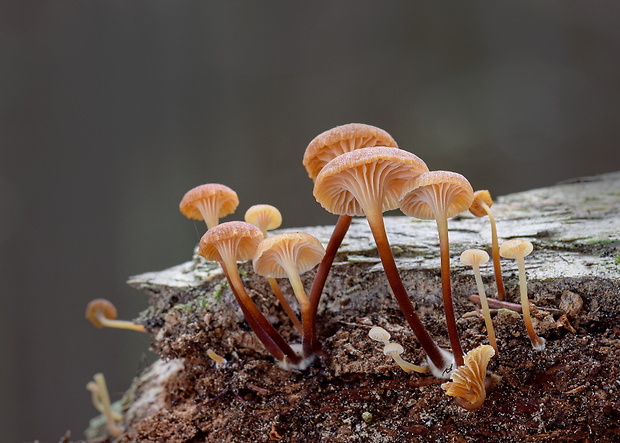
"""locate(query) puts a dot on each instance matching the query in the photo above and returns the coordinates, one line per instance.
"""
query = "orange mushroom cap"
(480, 197)
(265, 217)
(100, 306)
(355, 179)
(336, 141)
(437, 190)
(467, 381)
(272, 254)
(216, 197)
(237, 238)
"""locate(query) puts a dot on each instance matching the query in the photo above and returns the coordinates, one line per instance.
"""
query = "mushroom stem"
(340, 230)
(497, 304)
(309, 329)
(485, 307)
(208, 209)
(121, 324)
(101, 401)
(267, 334)
(537, 342)
(284, 303)
(435, 354)
(446, 289)
(497, 267)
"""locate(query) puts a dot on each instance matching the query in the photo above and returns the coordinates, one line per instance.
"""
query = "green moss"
(205, 301)
(617, 260)
(595, 242)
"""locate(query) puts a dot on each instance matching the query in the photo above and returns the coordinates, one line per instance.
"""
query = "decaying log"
(570, 389)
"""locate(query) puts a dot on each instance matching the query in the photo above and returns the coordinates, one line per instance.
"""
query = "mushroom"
(368, 182)
(101, 401)
(440, 195)
(218, 359)
(102, 313)
(474, 258)
(289, 255)
(266, 218)
(209, 202)
(227, 243)
(394, 350)
(321, 150)
(518, 249)
(467, 382)
(480, 207)
(345, 138)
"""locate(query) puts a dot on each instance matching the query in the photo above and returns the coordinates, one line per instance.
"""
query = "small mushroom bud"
(379, 334)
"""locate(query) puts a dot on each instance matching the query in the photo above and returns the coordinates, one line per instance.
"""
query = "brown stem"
(267, 334)
(497, 267)
(446, 289)
(537, 342)
(287, 308)
(375, 220)
(340, 230)
(497, 304)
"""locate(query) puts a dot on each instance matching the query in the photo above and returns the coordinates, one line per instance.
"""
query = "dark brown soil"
(568, 392)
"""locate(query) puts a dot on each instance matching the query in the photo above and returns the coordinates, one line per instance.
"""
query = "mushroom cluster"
(357, 170)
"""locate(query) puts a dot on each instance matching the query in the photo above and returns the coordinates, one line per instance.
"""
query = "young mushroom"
(209, 202)
(439, 195)
(290, 255)
(231, 241)
(475, 258)
(518, 249)
(101, 401)
(394, 350)
(468, 382)
(321, 150)
(102, 313)
(368, 182)
(480, 207)
(266, 218)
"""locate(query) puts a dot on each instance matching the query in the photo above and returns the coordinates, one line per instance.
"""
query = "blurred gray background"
(111, 110)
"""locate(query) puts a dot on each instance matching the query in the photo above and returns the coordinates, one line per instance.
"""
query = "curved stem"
(446, 289)
(485, 307)
(121, 324)
(406, 366)
(287, 308)
(375, 220)
(497, 267)
(340, 230)
(537, 342)
(267, 334)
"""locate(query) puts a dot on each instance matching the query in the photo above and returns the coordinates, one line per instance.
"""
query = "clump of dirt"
(567, 392)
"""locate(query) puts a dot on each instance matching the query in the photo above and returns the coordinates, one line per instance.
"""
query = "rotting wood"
(575, 228)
